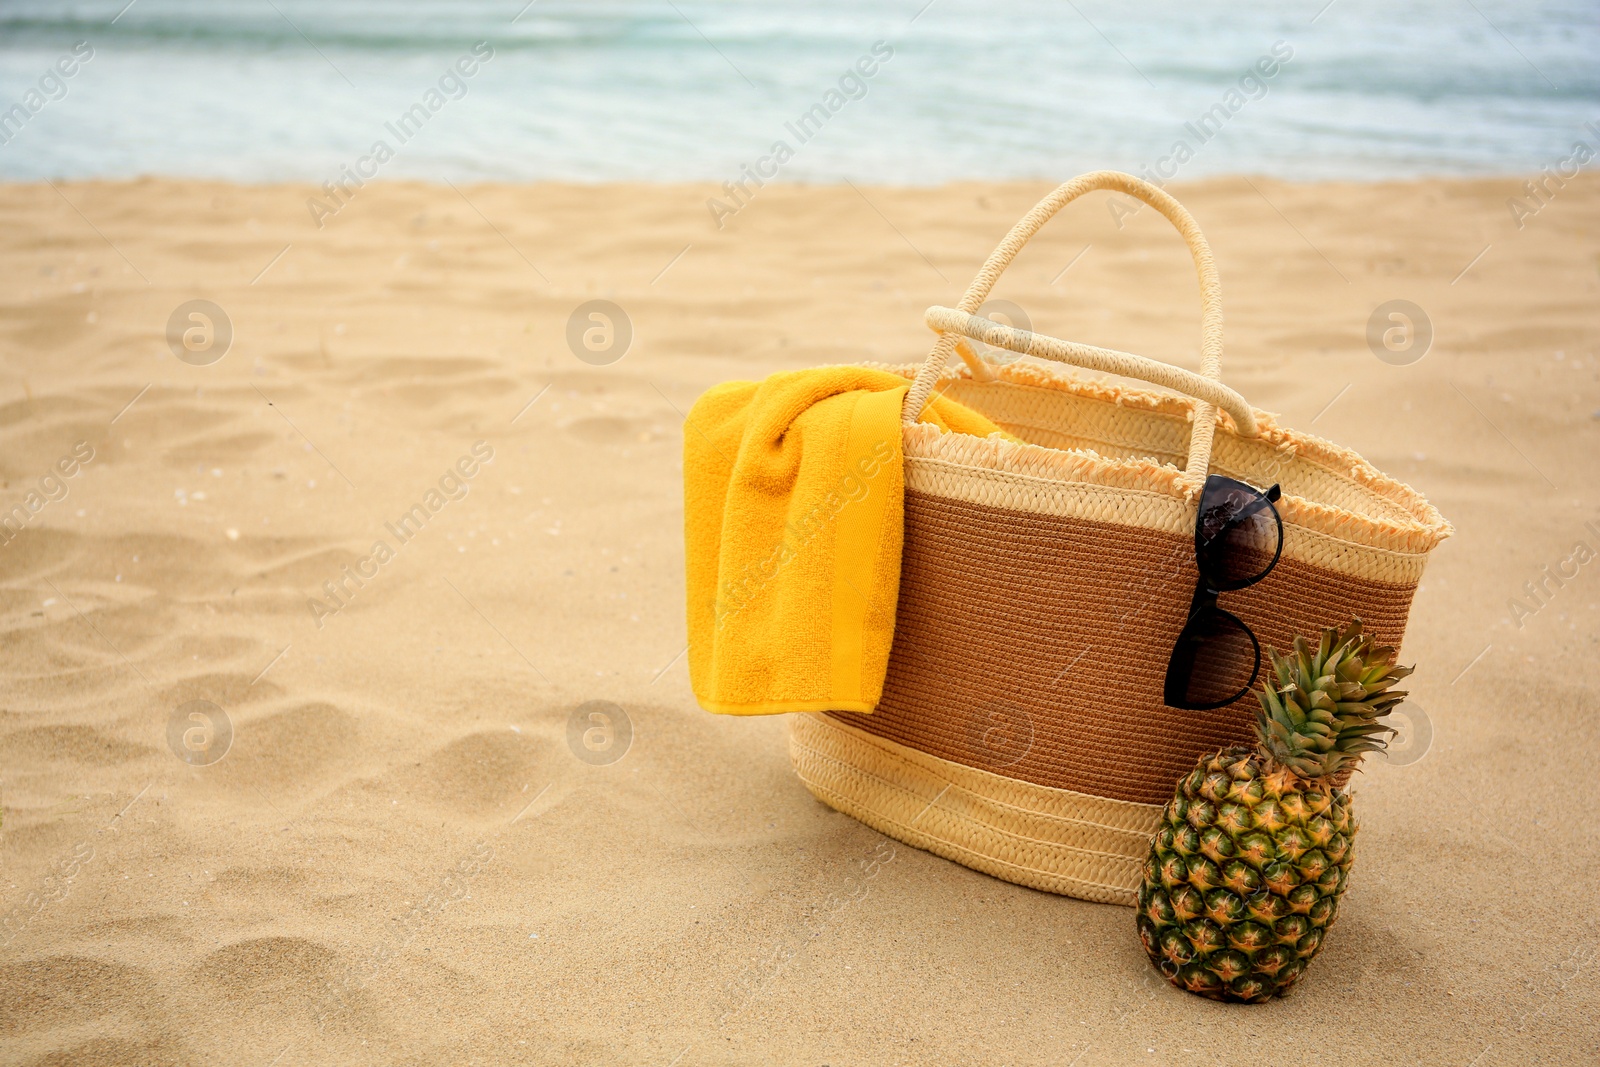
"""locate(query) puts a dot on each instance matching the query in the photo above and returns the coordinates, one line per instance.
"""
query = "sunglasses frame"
(1180, 665)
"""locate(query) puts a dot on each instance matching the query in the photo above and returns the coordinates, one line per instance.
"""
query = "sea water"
(663, 90)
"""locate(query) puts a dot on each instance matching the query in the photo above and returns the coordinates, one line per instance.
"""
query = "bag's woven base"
(1052, 839)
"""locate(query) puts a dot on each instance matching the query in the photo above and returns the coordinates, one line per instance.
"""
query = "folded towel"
(793, 511)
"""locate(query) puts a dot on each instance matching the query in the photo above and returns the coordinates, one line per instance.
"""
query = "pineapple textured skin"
(1244, 877)
(1254, 850)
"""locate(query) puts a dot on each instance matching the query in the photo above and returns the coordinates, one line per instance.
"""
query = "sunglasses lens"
(1214, 663)
(1238, 535)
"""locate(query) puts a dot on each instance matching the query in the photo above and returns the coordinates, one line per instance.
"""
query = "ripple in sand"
(481, 772)
(294, 746)
(281, 973)
(66, 990)
(71, 744)
(611, 430)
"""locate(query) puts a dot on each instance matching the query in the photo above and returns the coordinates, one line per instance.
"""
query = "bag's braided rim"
(1050, 839)
(1345, 469)
(1090, 418)
(956, 475)
(1397, 519)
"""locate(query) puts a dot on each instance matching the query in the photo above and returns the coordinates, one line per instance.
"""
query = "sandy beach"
(401, 859)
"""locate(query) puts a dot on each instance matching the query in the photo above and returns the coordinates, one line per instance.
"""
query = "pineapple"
(1245, 874)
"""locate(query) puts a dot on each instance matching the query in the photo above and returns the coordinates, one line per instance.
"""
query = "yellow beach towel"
(793, 511)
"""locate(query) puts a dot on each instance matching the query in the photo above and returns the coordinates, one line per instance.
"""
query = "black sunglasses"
(1238, 538)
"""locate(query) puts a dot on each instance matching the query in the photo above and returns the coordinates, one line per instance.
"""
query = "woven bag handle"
(952, 324)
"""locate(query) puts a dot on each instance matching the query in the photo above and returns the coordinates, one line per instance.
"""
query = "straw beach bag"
(1022, 729)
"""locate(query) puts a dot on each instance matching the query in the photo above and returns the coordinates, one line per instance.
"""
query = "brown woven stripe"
(1035, 646)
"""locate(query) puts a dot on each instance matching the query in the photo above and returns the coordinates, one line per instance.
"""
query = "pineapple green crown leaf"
(1322, 707)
